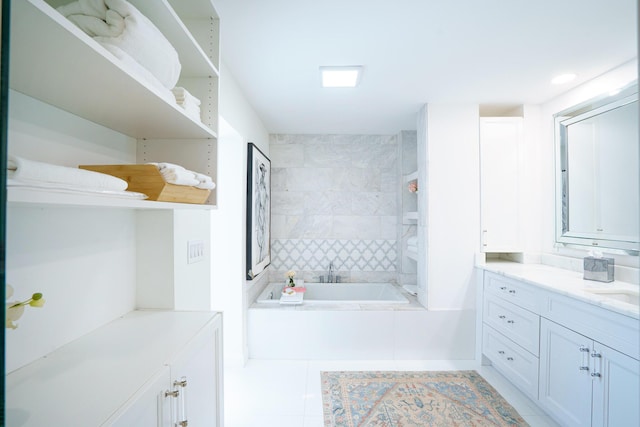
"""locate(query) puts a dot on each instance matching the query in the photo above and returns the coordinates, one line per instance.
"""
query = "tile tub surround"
(333, 191)
(346, 255)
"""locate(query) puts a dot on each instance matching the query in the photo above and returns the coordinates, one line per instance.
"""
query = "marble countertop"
(568, 283)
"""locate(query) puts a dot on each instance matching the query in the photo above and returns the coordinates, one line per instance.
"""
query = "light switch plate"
(195, 251)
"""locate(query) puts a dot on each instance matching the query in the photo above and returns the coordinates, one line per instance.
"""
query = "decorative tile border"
(346, 255)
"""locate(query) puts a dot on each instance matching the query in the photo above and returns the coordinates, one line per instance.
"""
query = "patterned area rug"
(417, 399)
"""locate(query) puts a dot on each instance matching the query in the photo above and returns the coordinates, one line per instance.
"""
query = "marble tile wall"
(330, 192)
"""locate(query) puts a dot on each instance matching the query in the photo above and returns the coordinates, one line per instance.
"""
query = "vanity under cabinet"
(571, 345)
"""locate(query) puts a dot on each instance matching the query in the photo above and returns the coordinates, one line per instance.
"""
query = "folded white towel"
(183, 96)
(52, 187)
(186, 100)
(33, 172)
(118, 23)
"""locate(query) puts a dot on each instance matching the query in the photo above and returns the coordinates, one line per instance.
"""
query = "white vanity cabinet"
(500, 153)
(579, 361)
(585, 383)
(511, 324)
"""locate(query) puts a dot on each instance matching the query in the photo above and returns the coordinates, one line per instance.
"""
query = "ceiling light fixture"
(563, 78)
(341, 76)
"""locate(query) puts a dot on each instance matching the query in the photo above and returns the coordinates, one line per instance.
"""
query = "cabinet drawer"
(517, 364)
(605, 326)
(518, 324)
(519, 293)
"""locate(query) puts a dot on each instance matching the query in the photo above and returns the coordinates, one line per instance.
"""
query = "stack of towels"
(178, 175)
(412, 244)
(188, 102)
(132, 38)
(32, 174)
(292, 295)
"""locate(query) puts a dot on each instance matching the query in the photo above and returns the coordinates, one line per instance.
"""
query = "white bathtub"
(331, 293)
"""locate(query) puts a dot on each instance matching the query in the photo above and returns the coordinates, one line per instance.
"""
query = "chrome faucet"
(330, 276)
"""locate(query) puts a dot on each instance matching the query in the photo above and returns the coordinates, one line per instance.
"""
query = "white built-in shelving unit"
(408, 207)
(141, 326)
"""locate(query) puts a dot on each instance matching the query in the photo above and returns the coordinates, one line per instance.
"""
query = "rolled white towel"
(180, 177)
(33, 172)
(118, 23)
(205, 181)
(163, 166)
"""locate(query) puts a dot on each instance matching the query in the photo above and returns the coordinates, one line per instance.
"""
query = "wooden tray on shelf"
(148, 180)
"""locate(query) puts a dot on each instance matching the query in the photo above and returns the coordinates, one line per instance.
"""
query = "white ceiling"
(414, 52)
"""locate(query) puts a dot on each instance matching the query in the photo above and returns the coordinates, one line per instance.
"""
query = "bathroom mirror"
(597, 167)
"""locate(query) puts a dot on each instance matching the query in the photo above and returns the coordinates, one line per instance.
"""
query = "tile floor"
(283, 393)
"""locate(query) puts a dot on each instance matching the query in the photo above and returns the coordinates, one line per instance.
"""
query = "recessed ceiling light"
(341, 76)
(563, 78)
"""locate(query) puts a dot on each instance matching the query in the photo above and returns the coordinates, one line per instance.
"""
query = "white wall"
(453, 205)
(239, 114)
(82, 260)
(239, 125)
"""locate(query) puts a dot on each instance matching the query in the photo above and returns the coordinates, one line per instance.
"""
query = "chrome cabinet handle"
(510, 321)
(503, 288)
(501, 317)
(510, 358)
(173, 393)
(584, 368)
(594, 354)
(501, 352)
(512, 291)
(584, 349)
(596, 374)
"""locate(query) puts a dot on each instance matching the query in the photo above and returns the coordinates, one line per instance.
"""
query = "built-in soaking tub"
(332, 293)
(356, 321)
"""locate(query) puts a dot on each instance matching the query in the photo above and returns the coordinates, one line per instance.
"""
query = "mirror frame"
(562, 119)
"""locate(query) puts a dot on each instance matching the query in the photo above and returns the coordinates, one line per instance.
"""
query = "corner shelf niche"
(409, 200)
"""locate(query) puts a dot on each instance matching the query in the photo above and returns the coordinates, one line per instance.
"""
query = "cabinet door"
(197, 375)
(149, 407)
(500, 140)
(616, 388)
(565, 380)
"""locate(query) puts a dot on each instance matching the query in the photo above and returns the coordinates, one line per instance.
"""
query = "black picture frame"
(258, 211)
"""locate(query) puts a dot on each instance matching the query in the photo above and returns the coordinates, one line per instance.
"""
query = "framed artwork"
(258, 211)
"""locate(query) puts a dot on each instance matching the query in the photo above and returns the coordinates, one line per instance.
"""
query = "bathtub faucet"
(330, 276)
